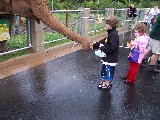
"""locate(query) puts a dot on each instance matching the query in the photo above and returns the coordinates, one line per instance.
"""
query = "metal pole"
(98, 3)
(140, 3)
(52, 5)
(28, 27)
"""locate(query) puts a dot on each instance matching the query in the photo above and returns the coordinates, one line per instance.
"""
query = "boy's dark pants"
(132, 71)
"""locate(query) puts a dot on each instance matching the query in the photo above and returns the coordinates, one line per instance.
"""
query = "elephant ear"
(7, 1)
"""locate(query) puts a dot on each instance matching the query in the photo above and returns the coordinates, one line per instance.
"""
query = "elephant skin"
(39, 10)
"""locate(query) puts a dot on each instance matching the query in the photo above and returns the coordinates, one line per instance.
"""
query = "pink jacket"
(140, 41)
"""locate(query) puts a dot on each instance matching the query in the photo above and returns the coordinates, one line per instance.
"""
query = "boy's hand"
(91, 45)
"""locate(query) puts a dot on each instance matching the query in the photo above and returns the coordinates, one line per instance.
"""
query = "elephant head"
(39, 10)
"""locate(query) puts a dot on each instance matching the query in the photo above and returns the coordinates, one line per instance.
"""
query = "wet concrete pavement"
(66, 89)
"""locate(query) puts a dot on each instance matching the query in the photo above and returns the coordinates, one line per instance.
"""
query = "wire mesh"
(70, 19)
(141, 14)
(97, 21)
(18, 35)
(120, 14)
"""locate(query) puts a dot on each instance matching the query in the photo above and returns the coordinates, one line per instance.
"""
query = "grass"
(14, 55)
(19, 41)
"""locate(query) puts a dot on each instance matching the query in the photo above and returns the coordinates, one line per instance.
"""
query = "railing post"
(106, 12)
(28, 28)
(37, 36)
(79, 22)
(138, 17)
(111, 11)
(124, 18)
(85, 22)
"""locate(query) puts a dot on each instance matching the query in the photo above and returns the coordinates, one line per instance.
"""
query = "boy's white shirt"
(111, 64)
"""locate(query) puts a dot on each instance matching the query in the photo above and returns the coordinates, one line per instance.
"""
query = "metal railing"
(20, 34)
(70, 18)
(96, 21)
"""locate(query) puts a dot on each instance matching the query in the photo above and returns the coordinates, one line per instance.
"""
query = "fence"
(70, 18)
(73, 19)
(96, 21)
(19, 33)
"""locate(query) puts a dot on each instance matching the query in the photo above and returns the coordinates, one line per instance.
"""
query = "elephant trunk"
(41, 11)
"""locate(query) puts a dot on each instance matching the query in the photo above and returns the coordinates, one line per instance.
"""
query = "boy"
(110, 46)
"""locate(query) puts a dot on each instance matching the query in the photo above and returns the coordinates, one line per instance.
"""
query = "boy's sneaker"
(110, 84)
(102, 85)
(158, 62)
(153, 69)
(106, 87)
(143, 64)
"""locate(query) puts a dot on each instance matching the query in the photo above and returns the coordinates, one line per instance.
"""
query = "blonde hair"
(112, 21)
(141, 28)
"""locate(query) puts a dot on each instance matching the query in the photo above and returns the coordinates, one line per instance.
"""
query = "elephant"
(39, 10)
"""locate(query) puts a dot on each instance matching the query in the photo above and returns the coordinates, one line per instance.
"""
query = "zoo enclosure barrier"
(27, 34)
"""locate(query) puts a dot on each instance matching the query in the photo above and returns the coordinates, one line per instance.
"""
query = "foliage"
(93, 4)
(17, 41)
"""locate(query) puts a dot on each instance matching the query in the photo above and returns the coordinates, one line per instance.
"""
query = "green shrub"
(17, 41)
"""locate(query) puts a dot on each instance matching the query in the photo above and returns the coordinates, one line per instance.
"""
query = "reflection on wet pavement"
(66, 89)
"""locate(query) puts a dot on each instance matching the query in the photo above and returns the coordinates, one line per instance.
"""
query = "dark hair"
(141, 28)
(112, 21)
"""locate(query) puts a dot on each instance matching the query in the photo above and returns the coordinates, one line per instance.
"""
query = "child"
(140, 42)
(154, 45)
(109, 46)
(132, 12)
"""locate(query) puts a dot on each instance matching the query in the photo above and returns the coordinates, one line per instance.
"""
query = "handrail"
(4, 53)
(67, 11)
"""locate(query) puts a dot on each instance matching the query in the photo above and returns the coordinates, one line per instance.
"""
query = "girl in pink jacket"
(140, 42)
